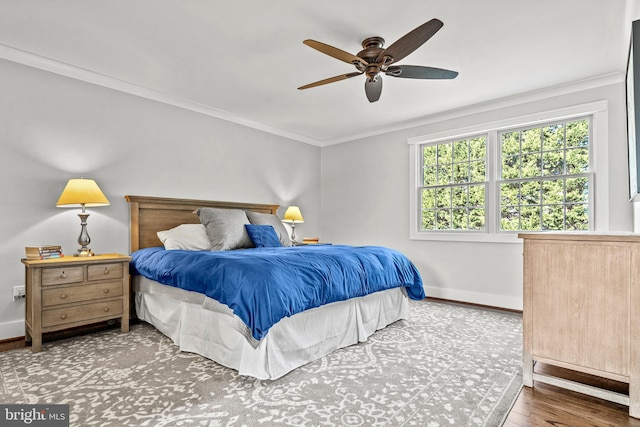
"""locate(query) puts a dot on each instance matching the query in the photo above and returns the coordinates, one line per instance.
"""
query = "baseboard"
(9, 330)
(479, 298)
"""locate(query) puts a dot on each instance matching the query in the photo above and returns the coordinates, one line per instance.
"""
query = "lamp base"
(84, 252)
(83, 239)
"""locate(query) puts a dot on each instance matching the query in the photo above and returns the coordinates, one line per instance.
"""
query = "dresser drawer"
(81, 313)
(69, 294)
(105, 271)
(62, 275)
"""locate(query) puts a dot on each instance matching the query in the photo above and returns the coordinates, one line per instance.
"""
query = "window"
(533, 178)
(454, 185)
(544, 179)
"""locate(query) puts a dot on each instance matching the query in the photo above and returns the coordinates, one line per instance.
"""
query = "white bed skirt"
(201, 325)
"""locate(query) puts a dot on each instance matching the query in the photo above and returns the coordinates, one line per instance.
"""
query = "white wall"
(53, 128)
(366, 190)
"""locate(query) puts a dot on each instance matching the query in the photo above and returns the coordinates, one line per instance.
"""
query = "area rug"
(447, 365)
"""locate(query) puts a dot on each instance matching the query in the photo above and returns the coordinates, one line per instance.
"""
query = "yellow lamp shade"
(82, 192)
(293, 215)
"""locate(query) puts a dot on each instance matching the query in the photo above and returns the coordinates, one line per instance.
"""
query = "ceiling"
(243, 61)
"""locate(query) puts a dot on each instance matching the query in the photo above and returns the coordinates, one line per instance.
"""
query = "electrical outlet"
(18, 292)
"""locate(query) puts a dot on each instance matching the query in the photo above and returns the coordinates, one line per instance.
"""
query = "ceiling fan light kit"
(374, 60)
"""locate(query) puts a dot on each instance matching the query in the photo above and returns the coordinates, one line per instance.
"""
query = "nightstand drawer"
(62, 275)
(105, 271)
(81, 313)
(71, 294)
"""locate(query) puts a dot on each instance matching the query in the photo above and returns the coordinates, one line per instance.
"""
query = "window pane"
(478, 171)
(476, 219)
(478, 148)
(444, 174)
(444, 154)
(577, 217)
(429, 155)
(428, 198)
(511, 167)
(429, 176)
(510, 143)
(531, 165)
(428, 220)
(510, 194)
(531, 140)
(553, 217)
(461, 151)
(578, 133)
(577, 190)
(460, 173)
(443, 197)
(510, 218)
(530, 218)
(476, 195)
(460, 197)
(460, 219)
(577, 160)
(443, 219)
(553, 137)
(530, 193)
(553, 191)
(553, 163)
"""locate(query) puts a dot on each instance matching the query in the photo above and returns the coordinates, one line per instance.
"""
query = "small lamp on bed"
(84, 193)
(293, 216)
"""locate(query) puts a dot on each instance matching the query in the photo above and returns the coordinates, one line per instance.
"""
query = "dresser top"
(66, 260)
(583, 236)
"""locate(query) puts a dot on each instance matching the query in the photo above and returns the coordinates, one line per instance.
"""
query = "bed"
(266, 341)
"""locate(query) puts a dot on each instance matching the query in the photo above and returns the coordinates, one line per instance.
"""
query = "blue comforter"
(265, 285)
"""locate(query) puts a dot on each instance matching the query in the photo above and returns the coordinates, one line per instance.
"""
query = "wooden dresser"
(582, 309)
(73, 291)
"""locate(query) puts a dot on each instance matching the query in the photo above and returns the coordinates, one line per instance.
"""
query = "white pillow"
(190, 237)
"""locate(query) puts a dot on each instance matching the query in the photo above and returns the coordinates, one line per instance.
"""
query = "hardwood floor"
(546, 405)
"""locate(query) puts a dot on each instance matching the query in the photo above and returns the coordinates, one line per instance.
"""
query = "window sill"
(467, 237)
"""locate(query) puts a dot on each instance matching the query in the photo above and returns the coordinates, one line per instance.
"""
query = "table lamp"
(293, 216)
(84, 193)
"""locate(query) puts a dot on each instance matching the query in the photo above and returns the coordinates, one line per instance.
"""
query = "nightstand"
(62, 293)
(310, 244)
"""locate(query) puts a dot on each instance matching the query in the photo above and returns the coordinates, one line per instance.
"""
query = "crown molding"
(71, 71)
(77, 73)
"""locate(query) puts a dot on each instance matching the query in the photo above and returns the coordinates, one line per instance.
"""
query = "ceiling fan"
(374, 60)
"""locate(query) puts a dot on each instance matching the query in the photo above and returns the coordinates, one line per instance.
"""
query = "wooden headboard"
(148, 215)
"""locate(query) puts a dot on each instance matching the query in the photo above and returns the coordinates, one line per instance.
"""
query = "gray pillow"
(225, 228)
(258, 218)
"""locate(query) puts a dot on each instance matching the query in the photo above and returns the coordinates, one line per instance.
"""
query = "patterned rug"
(448, 365)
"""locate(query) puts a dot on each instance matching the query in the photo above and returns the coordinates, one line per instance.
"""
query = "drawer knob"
(106, 291)
(106, 270)
(63, 275)
(106, 309)
(63, 296)
(63, 316)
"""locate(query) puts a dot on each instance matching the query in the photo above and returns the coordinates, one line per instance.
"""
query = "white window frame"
(598, 157)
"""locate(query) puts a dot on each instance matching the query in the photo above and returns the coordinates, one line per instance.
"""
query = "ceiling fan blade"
(330, 80)
(334, 52)
(373, 88)
(411, 41)
(419, 72)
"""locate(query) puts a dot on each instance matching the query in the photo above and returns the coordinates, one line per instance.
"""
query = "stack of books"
(43, 252)
(310, 240)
